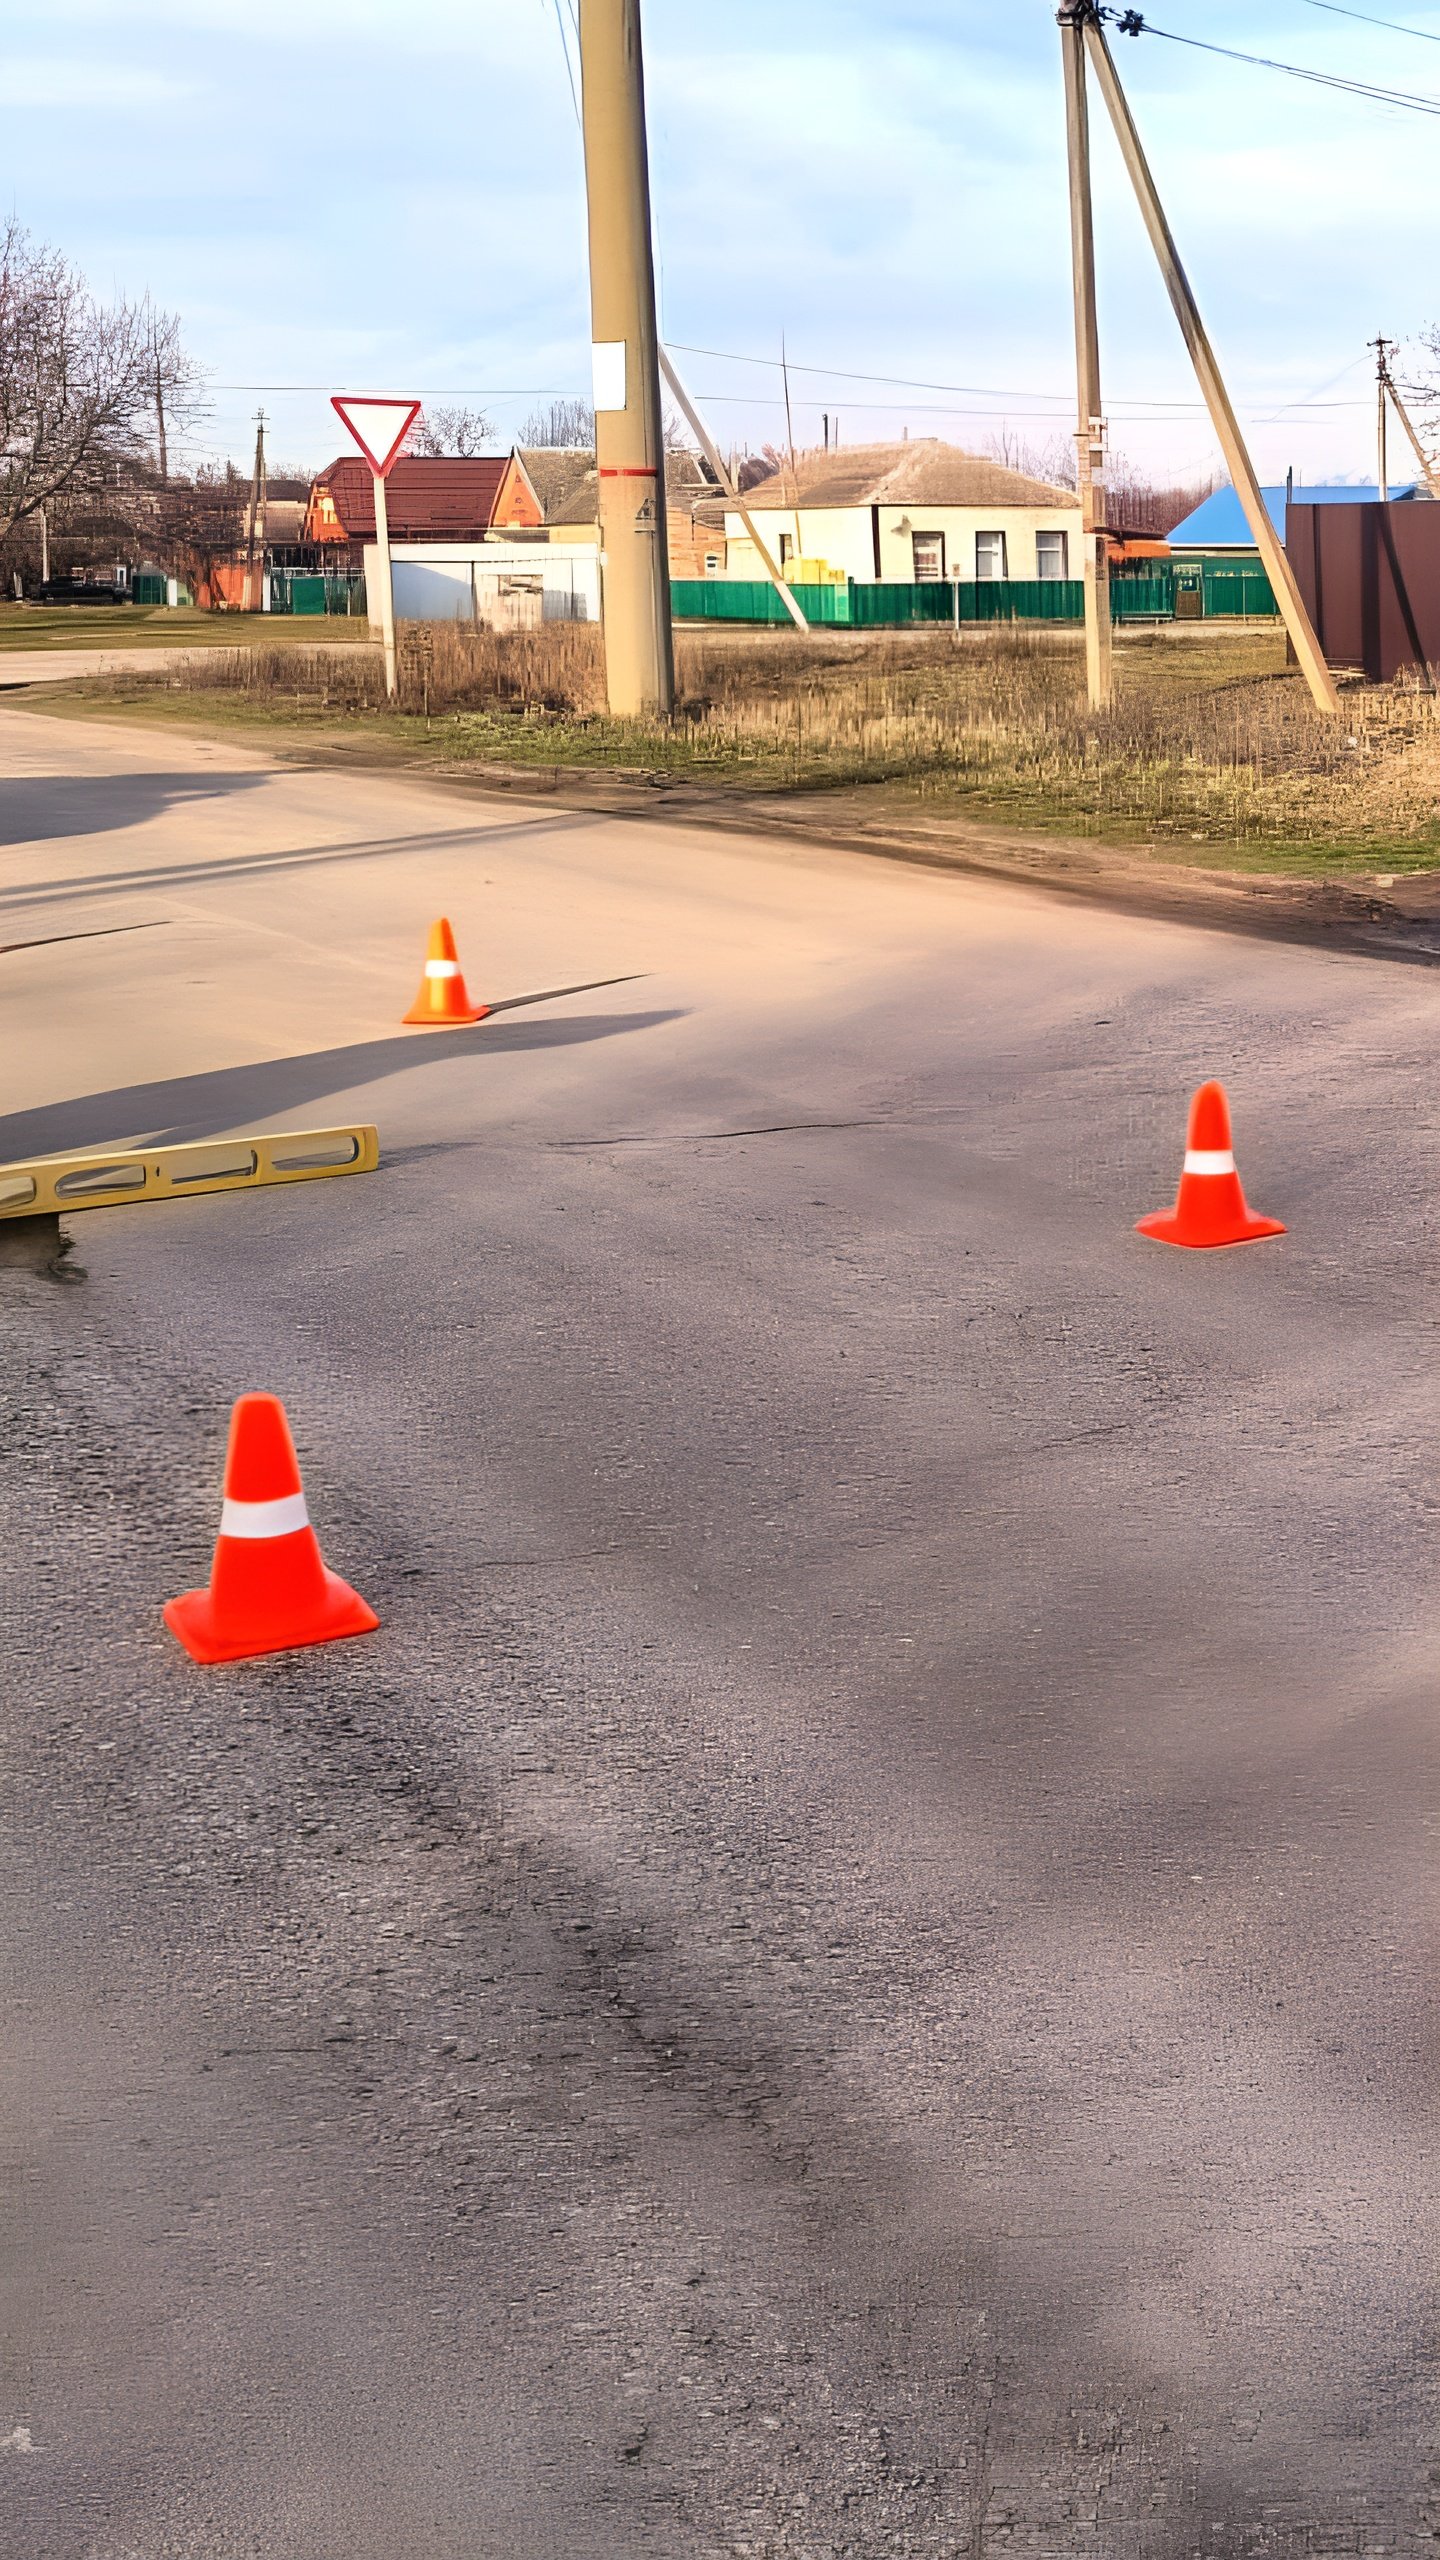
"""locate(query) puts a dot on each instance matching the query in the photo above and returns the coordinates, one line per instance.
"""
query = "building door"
(1189, 591)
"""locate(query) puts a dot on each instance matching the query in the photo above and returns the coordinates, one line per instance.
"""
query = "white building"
(513, 586)
(902, 512)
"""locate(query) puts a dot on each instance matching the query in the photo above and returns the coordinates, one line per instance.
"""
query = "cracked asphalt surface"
(852, 1972)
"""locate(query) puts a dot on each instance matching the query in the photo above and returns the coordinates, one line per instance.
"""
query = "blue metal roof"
(1221, 518)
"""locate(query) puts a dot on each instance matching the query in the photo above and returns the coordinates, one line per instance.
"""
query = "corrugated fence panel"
(1135, 597)
(890, 605)
(1143, 598)
(752, 600)
(1021, 600)
(1239, 591)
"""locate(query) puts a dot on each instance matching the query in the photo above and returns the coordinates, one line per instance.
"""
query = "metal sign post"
(380, 428)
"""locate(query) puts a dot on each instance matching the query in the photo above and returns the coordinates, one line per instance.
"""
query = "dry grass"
(1212, 740)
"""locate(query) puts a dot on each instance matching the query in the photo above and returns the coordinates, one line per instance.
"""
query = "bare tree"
(566, 423)
(1053, 461)
(202, 523)
(77, 380)
(465, 432)
(176, 382)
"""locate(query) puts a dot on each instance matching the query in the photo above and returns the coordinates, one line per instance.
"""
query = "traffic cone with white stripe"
(1211, 1207)
(442, 996)
(269, 1588)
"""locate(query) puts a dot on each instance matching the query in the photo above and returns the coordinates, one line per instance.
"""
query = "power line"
(1333, 9)
(1144, 406)
(904, 382)
(569, 65)
(1132, 24)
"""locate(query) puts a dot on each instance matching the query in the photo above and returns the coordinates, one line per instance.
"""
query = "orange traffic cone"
(1211, 1206)
(269, 1588)
(442, 996)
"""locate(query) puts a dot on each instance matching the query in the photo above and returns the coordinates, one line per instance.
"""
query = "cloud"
(886, 187)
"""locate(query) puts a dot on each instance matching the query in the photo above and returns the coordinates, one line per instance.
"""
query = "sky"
(368, 196)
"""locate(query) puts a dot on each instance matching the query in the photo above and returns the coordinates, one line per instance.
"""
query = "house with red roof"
(428, 498)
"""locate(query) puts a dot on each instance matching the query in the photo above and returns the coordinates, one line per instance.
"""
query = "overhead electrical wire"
(1332, 9)
(1414, 101)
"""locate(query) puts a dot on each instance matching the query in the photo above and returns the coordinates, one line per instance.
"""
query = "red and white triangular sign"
(379, 427)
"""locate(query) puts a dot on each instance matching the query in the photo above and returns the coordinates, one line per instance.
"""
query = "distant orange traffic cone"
(269, 1589)
(1211, 1206)
(442, 996)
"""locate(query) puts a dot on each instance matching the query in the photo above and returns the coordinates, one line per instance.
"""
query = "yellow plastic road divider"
(124, 1175)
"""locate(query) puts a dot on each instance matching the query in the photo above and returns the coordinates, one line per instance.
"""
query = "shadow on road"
(201, 1106)
(242, 866)
(37, 807)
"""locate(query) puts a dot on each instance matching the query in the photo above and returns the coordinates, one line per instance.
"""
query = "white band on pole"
(264, 1519)
(1209, 1160)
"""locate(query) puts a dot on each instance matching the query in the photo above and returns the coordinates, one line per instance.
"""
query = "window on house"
(1052, 555)
(990, 561)
(712, 564)
(928, 551)
(787, 549)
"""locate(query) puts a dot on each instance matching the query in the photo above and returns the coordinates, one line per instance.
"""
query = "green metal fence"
(1136, 595)
(753, 600)
(1238, 591)
(1147, 598)
(1020, 600)
(892, 605)
(310, 591)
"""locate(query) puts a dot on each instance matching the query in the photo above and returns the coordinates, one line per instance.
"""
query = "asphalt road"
(852, 1972)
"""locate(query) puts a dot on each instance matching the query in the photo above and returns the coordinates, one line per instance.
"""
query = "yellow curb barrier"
(125, 1175)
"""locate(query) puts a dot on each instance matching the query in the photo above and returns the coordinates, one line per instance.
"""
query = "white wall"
(467, 581)
(844, 537)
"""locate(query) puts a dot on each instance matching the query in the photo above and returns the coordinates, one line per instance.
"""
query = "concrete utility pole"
(1388, 388)
(1090, 436)
(1207, 372)
(1382, 384)
(629, 434)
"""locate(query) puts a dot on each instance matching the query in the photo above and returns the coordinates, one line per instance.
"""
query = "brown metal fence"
(1370, 576)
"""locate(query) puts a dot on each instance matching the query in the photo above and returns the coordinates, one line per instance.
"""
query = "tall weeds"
(1209, 739)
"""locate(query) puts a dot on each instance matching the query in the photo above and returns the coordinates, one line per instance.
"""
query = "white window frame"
(984, 573)
(1052, 536)
(927, 577)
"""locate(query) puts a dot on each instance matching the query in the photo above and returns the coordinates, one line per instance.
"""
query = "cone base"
(1166, 1228)
(342, 1613)
(443, 1021)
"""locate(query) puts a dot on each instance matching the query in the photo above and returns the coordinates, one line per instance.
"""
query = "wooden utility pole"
(629, 434)
(257, 516)
(1207, 371)
(1090, 433)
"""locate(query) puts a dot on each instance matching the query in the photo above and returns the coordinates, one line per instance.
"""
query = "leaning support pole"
(711, 452)
(1207, 373)
(1427, 467)
(1090, 437)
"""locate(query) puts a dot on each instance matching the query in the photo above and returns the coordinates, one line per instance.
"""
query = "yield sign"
(379, 427)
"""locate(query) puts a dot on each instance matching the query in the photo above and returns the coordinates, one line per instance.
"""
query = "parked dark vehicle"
(79, 591)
